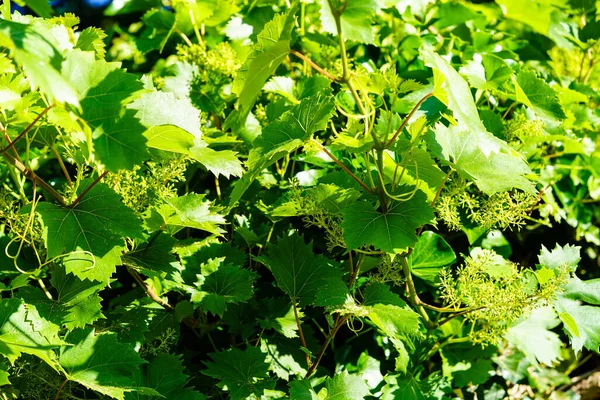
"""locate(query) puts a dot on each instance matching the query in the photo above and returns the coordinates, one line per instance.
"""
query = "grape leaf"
(538, 95)
(154, 256)
(429, 255)
(532, 335)
(117, 134)
(22, 330)
(355, 19)
(452, 90)
(244, 372)
(92, 39)
(271, 48)
(227, 284)
(76, 305)
(298, 271)
(567, 256)
(188, 211)
(392, 231)
(93, 231)
(274, 316)
(285, 135)
(35, 49)
(342, 386)
(101, 363)
(223, 162)
(162, 108)
(581, 320)
(166, 375)
(494, 173)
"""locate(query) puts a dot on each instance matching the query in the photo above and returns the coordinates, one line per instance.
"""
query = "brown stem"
(338, 162)
(87, 189)
(300, 332)
(408, 117)
(149, 291)
(60, 388)
(31, 175)
(339, 322)
(314, 65)
(11, 144)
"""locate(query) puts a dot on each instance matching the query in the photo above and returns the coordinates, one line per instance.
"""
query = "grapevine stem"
(11, 144)
(314, 65)
(149, 291)
(338, 162)
(60, 388)
(300, 332)
(62, 164)
(31, 175)
(338, 324)
(408, 117)
(414, 297)
(87, 189)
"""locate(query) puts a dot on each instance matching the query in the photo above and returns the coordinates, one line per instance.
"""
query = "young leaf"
(581, 320)
(347, 387)
(101, 363)
(298, 271)
(533, 336)
(228, 284)
(355, 19)
(538, 95)
(271, 48)
(285, 135)
(452, 90)
(429, 255)
(244, 372)
(392, 231)
(187, 211)
(93, 231)
(494, 173)
(35, 49)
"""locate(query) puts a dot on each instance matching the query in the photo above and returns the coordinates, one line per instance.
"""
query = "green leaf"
(392, 231)
(93, 231)
(244, 372)
(227, 284)
(162, 108)
(429, 255)
(380, 293)
(76, 304)
(494, 173)
(101, 363)
(166, 375)
(35, 48)
(298, 271)
(581, 320)
(154, 256)
(22, 330)
(285, 135)
(92, 39)
(355, 19)
(538, 95)
(410, 387)
(188, 211)
(117, 134)
(221, 162)
(281, 319)
(271, 48)
(40, 7)
(346, 387)
(567, 256)
(532, 335)
(452, 90)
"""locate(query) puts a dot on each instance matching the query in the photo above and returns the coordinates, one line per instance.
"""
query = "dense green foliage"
(308, 199)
